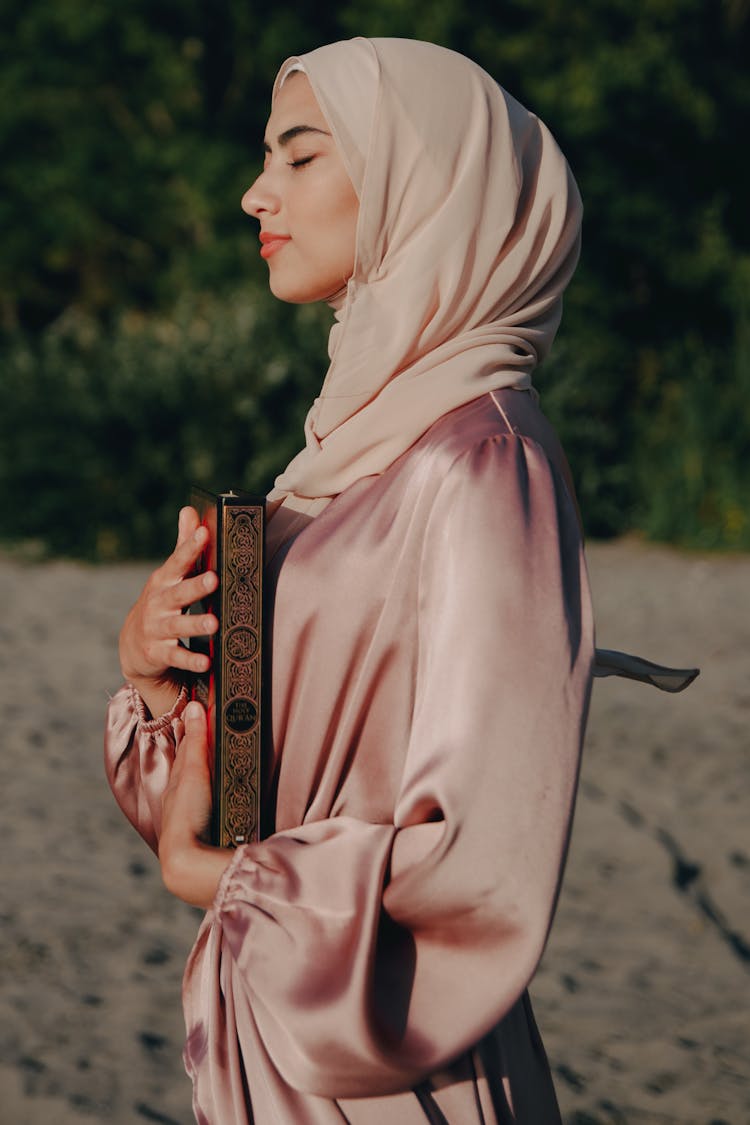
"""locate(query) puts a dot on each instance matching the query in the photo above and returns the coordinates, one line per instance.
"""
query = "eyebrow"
(295, 131)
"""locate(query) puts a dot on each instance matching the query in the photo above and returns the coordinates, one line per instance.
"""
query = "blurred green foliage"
(107, 428)
(140, 351)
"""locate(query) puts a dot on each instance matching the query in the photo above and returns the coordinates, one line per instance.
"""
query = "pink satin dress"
(432, 647)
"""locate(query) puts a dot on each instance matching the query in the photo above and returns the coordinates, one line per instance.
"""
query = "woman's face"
(304, 200)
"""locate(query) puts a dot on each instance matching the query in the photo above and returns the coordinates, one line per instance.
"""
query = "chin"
(298, 294)
(305, 286)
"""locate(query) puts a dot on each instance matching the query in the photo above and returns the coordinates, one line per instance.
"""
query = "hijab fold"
(468, 233)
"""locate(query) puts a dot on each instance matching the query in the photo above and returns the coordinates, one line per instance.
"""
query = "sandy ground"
(642, 996)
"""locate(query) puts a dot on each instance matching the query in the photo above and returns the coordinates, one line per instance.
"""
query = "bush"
(103, 431)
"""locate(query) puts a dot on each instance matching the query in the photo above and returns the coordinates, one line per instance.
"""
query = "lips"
(271, 242)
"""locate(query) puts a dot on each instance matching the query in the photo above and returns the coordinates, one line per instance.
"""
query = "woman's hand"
(190, 868)
(151, 655)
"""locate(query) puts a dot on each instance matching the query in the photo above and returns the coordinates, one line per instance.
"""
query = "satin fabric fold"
(432, 644)
(138, 770)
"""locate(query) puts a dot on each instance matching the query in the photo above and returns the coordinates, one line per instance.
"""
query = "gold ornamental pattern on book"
(238, 791)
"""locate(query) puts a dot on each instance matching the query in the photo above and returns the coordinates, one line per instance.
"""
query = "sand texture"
(643, 996)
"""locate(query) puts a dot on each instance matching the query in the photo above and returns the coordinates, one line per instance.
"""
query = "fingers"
(149, 639)
(184, 625)
(187, 522)
(191, 590)
(185, 659)
(187, 552)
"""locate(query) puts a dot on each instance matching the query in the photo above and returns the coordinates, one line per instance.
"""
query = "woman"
(431, 636)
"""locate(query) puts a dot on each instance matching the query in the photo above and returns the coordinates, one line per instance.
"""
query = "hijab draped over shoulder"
(469, 231)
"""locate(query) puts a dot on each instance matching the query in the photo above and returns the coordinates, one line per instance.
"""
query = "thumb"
(194, 715)
(195, 742)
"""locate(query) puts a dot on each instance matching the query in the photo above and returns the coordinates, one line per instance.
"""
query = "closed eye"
(301, 163)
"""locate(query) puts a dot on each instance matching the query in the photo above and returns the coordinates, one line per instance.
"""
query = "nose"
(260, 199)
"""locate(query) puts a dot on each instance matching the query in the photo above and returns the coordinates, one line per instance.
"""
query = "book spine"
(238, 665)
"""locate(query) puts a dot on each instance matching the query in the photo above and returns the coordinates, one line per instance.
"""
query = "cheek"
(346, 214)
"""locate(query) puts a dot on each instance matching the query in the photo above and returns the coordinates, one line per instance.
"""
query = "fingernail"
(193, 710)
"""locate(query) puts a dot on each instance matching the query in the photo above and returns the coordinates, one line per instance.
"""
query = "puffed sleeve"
(360, 957)
(138, 756)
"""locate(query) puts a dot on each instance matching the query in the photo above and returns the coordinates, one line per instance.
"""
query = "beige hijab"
(468, 233)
